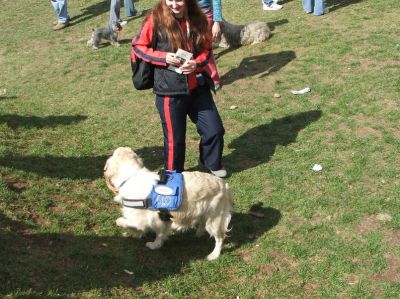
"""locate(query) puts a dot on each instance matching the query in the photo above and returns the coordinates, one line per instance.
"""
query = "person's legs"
(129, 8)
(60, 7)
(115, 7)
(319, 7)
(308, 6)
(172, 112)
(204, 114)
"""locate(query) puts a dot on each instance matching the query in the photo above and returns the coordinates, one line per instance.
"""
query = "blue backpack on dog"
(165, 196)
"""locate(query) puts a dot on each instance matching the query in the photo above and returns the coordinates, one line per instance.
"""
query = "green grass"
(67, 107)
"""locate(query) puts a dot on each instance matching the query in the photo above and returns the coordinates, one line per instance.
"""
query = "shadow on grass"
(14, 120)
(255, 65)
(95, 10)
(58, 167)
(257, 145)
(7, 97)
(273, 25)
(152, 156)
(90, 12)
(338, 4)
(60, 263)
(76, 167)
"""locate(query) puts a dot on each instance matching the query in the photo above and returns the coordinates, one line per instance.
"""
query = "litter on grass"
(301, 91)
(317, 167)
(128, 272)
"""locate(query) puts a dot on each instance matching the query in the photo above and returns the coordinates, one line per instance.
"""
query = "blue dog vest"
(167, 194)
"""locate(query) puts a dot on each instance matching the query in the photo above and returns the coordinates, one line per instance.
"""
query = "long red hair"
(163, 18)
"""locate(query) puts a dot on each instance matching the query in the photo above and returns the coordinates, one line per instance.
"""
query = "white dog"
(206, 202)
(241, 35)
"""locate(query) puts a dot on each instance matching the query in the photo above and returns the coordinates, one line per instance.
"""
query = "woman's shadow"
(258, 144)
(261, 65)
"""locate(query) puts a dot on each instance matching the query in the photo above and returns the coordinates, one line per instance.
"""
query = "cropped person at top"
(180, 24)
(213, 11)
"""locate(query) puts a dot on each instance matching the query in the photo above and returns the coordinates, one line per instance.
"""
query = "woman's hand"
(173, 60)
(188, 67)
(216, 30)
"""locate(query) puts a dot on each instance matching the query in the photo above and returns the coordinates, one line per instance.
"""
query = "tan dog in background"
(206, 204)
(242, 35)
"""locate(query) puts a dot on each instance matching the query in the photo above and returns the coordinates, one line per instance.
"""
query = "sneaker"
(60, 26)
(56, 21)
(222, 173)
(217, 86)
(272, 6)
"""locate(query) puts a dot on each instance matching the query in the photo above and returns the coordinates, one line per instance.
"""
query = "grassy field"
(328, 234)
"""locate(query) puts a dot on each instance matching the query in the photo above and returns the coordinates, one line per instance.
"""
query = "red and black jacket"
(167, 82)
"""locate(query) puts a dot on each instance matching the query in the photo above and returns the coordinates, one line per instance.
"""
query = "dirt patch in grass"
(283, 262)
(392, 273)
(392, 239)
(14, 184)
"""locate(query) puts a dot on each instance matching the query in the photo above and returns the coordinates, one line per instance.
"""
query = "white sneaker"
(273, 6)
(222, 173)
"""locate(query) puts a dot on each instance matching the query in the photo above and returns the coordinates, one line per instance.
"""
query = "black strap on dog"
(164, 215)
(163, 177)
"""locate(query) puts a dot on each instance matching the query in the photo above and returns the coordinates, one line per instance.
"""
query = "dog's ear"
(138, 160)
(109, 173)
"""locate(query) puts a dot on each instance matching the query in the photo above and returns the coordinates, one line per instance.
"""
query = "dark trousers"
(201, 109)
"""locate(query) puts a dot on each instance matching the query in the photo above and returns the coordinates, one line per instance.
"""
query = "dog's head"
(120, 166)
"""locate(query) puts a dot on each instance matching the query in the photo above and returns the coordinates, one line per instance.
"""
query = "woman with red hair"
(173, 25)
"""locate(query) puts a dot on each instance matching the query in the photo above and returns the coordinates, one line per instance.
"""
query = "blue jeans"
(316, 6)
(115, 8)
(60, 7)
(129, 7)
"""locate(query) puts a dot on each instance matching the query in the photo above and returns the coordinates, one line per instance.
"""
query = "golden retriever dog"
(206, 203)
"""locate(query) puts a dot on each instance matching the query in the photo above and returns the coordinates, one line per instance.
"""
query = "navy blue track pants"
(201, 109)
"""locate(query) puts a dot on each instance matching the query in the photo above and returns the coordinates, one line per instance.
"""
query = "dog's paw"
(153, 245)
(212, 256)
(121, 222)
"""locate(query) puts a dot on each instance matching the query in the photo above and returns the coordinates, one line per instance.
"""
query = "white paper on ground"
(301, 91)
(317, 167)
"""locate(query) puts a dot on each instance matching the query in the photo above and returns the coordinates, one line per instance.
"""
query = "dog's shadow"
(66, 263)
(248, 227)
(261, 65)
